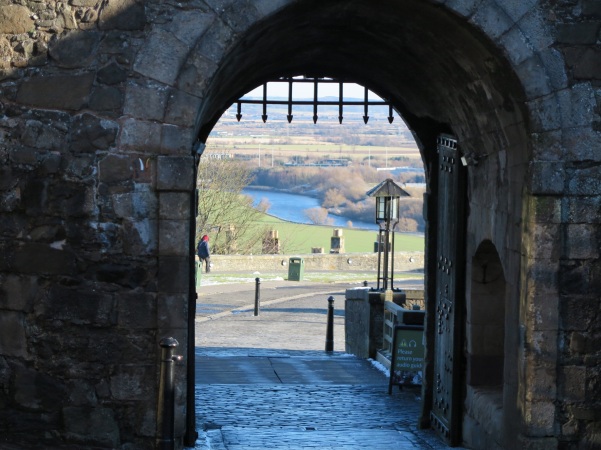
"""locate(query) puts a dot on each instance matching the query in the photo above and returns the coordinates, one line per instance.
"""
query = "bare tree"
(319, 216)
(224, 213)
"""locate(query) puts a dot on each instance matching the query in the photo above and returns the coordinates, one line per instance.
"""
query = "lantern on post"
(387, 195)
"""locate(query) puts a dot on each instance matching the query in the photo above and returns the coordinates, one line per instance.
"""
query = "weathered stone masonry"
(103, 101)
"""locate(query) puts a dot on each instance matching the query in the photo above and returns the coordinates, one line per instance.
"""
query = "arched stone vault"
(513, 81)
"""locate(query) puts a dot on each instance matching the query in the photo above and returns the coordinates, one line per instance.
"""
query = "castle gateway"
(105, 105)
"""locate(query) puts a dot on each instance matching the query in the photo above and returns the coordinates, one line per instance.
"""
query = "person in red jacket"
(204, 252)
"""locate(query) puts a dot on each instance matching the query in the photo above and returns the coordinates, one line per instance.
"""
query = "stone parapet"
(403, 262)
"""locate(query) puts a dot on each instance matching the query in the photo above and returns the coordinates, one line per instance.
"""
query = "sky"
(305, 90)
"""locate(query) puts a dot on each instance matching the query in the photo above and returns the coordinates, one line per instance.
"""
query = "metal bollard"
(165, 439)
(365, 283)
(257, 295)
(330, 326)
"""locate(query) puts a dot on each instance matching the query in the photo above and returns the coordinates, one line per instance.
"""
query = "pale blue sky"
(305, 90)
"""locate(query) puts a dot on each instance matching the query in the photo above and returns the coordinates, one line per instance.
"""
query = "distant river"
(291, 207)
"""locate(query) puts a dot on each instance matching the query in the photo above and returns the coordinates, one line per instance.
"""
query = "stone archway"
(98, 184)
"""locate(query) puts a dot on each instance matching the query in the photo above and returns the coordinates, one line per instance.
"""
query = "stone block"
(78, 306)
(42, 136)
(572, 383)
(137, 310)
(546, 209)
(182, 108)
(133, 382)
(585, 64)
(195, 73)
(122, 15)
(111, 74)
(141, 237)
(492, 19)
(214, 42)
(585, 181)
(13, 338)
(15, 19)
(516, 9)
(37, 391)
(578, 314)
(531, 24)
(534, 78)
(582, 144)
(240, 15)
(577, 105)
(91, 426)
(146, 101)
(49, 92)
(547, 177)
(545, 113)
(174, 205)
(516, 44)
(173, 237)
(161, 57)
(591, 8)
(35, 258)
(545, 241)
(114, 168)
(17, 292)
(173, 274)
(176, 140)
(75, 49)
(106, 98)
(555, 65)
(90, 133)
(140, 204)
(175, 173)
(171, 308)
(539, 418)
(582, 241)
(141, 135)
(189, 26)
(580, 33)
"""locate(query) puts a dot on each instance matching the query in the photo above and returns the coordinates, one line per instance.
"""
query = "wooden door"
(450, 293)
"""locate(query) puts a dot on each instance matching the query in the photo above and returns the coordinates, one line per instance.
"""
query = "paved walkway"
(266, 382)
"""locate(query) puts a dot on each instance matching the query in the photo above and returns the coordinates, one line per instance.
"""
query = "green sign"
(407, 356)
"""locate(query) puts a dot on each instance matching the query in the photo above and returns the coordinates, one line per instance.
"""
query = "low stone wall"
(403, 262)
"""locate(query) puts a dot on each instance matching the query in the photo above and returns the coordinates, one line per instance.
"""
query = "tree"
(224, 213)
(319, 216)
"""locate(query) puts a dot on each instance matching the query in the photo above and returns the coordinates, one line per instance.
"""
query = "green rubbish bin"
(296, 268)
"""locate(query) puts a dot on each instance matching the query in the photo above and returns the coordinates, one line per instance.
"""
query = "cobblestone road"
(265, 382)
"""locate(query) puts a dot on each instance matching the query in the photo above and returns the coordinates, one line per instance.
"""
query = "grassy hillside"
(298, 238)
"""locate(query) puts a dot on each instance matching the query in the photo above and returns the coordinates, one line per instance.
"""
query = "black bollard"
(165, 439)
(330, 326)
(257, 295)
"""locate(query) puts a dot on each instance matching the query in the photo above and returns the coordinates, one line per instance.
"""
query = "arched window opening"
(486, 318)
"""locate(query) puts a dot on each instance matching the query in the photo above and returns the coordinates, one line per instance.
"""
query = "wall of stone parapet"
(403, 262)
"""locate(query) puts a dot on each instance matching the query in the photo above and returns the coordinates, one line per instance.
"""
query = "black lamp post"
(387, 195)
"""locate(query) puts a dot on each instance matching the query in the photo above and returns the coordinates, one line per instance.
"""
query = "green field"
(299, 238)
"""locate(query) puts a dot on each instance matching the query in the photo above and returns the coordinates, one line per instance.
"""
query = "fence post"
(257, 295)
(165, 412)
(330, 326)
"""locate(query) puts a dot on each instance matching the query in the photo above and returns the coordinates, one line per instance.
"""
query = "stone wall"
(403, 262)
(363, 322)
(104, 105)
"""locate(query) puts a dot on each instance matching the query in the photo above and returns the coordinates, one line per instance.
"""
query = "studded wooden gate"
(448, 340)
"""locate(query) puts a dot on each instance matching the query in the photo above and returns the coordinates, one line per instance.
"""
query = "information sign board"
(407, 356)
